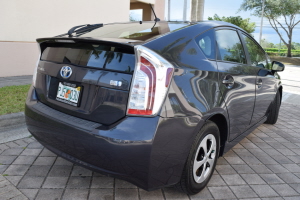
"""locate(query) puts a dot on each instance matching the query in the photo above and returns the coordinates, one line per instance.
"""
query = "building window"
(136, 15)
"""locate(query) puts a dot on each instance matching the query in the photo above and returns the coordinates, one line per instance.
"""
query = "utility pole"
(262, 18)
(279, 50)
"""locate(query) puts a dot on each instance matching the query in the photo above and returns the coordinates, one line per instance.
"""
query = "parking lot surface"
(266, 164)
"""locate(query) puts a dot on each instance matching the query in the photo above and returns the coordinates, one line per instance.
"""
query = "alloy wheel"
(204, 158)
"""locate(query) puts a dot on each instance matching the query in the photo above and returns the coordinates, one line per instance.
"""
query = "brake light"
(36, 68)
(151, 80)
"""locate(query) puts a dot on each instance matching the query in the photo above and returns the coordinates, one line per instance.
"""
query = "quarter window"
(257, 56)
(230, 46)
(206, 42)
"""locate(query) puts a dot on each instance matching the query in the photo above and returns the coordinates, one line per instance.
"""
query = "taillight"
(36, 68)
(150, 83)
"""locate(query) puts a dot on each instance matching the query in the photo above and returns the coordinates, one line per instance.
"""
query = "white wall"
(26, 20)
(22, 21)
(18, 58)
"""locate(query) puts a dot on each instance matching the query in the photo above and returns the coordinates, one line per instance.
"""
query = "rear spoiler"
(46, 42)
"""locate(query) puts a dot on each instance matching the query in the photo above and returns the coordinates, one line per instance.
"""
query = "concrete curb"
(12, 120)
(13, 127)
(15, 80)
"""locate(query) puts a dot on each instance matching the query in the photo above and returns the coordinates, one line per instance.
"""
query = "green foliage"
(273, 49)
(238, 21)
(285, 54)
(267, 44)
(281, 50)
(295, 46)
(12, 99)
(257, 56)
(235, 54)
(273, 10)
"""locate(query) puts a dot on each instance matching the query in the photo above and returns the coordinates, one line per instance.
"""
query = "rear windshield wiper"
(81, 29)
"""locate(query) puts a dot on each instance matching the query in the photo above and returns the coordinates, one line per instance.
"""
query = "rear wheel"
(201, 161)
(274, 110)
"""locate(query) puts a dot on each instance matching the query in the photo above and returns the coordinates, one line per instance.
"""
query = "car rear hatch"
(87, 72)
(88, 79)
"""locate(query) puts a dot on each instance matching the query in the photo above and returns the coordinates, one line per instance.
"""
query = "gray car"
(154, 104)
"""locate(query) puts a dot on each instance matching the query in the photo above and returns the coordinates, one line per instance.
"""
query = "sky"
(228, 8)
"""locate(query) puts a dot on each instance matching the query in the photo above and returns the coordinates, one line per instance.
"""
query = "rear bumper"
(148, 152)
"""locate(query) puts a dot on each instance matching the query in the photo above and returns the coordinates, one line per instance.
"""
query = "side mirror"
(277, 66)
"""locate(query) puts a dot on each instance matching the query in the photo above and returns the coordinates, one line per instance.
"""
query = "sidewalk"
(291, 84)
(15, 80)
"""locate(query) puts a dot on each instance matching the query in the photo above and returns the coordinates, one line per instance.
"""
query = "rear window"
(135, 30)
(91, 55)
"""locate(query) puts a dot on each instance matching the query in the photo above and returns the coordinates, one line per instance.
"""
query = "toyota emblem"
(66, 72)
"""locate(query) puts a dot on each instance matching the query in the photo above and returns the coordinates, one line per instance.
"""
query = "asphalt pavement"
(264, 165)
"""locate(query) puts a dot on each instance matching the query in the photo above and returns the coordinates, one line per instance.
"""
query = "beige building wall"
(147, 13)
(29, 19)
(18, 58)
(24, 21)
(158, 6)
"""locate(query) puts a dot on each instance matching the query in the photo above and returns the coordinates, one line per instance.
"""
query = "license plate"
(68, 93)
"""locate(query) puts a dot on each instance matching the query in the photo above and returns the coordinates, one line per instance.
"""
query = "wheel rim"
(204, 158)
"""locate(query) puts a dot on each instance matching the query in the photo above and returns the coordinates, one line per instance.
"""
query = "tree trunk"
(289, 52)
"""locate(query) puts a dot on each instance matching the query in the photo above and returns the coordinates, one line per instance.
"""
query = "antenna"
(156, 19)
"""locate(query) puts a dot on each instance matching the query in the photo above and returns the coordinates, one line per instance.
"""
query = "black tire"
(274, 110)
(187, 183)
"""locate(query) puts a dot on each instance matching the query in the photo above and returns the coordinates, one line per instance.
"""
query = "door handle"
(259, 82)
(228, 81)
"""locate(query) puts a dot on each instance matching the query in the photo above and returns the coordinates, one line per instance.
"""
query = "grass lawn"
(12, 99)
(286, 61)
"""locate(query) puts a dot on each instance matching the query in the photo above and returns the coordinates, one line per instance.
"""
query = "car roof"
(140, 32)
(144, 31)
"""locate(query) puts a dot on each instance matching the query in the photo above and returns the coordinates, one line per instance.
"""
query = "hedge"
(294, 54)
(281, 50)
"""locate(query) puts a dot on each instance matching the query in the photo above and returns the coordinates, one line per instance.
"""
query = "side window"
(230, 46)
(206, 42)
(257, 56)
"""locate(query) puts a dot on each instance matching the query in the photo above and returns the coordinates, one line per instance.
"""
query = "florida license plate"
(68, 93)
